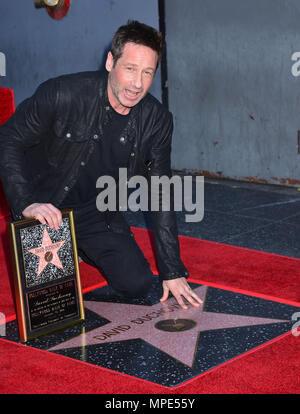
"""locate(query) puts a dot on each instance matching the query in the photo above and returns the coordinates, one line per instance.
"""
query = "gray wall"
(235, 101)
(38, 47)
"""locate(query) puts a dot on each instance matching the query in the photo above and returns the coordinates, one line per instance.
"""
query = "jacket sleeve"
(164, 223)
(24, 129)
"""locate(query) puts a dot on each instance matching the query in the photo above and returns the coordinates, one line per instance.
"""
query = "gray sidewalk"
(255, 216)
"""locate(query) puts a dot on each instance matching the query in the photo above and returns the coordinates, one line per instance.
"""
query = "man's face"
(131, 77)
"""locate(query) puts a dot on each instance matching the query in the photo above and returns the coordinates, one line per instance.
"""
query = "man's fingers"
(165, 294)
(193, 298)
(197, 298)
(181, 302)
(48, 216)
(180, 289)
(45, 213)
(56, 215)
(40, 218)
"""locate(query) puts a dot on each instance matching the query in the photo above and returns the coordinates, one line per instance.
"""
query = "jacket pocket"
(65, 143)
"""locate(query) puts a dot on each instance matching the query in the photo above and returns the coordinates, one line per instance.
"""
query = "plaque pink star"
(162, 325)
(47, 252)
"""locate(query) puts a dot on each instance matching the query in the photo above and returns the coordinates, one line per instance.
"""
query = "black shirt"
(111, 152)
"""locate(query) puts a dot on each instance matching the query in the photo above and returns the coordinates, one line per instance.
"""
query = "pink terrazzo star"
(47, 252)
(138, 321)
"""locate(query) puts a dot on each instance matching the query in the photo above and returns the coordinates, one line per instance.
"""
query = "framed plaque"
(46, 276)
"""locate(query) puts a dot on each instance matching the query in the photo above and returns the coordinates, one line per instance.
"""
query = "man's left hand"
(179, 287)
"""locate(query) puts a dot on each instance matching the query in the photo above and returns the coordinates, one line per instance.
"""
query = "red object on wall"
(7, 104)
(60, 12)
(7, 108)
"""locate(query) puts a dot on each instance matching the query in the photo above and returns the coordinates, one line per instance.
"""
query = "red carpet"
(27, 370)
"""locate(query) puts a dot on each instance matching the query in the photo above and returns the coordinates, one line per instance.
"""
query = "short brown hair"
(139, 33)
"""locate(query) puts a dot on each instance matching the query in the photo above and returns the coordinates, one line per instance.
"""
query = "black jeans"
(113, 250)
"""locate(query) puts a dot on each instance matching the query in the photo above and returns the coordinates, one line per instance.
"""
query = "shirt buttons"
(132, 154)
(96, 136)
(107, 108)
(66, 188)
(82, 163)
(122, 140)
(68, 135)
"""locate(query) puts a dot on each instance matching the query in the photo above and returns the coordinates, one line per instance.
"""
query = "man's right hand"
(45, 213)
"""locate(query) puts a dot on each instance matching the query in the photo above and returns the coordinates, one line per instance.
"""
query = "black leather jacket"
(52, 134)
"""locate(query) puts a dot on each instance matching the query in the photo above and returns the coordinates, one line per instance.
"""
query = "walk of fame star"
(165, 326)
(47, 252)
